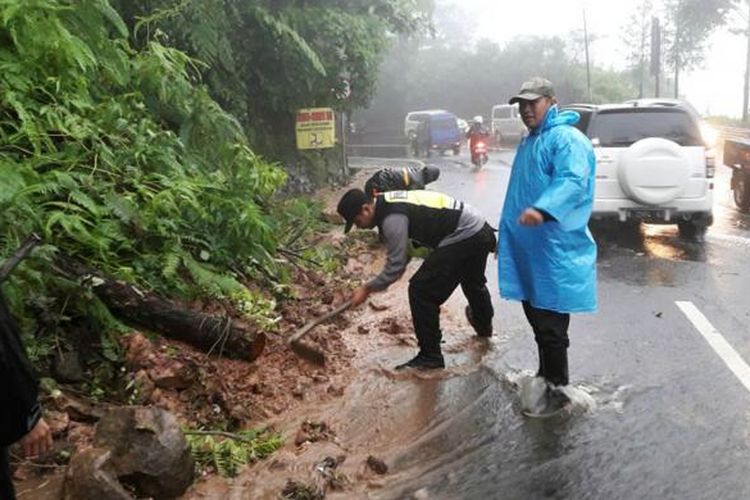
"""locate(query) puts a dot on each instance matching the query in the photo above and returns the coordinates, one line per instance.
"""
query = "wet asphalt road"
(671, 419)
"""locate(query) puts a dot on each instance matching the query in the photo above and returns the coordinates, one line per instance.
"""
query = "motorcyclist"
(477, 131)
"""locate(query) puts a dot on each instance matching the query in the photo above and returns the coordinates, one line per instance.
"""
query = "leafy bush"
(120, 158)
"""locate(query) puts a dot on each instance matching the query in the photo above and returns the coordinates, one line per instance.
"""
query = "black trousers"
(461, 263)
(6, 480)
(551, 335)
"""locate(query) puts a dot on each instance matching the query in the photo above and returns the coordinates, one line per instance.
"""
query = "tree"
(264, 59)
(739, 22)
(636, 33)
(689, 24)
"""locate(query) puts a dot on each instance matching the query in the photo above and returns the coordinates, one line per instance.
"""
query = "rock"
(263, 389)
(92, 475)
(143, 387)
(312, 432)
(149, 451)
(378, 306)
(363, 330)
(335, 390)
(79, 410)
(58, 422)
(421, 494)
(298, 491)
(299, 391)
(66, 367)
(172, 375)
(138, 350)
(80, 435)
(391, 326)
(377, 465)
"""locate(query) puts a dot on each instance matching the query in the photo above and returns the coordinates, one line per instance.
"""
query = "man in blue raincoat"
(546, 254)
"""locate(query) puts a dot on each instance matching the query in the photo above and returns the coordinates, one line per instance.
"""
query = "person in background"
(460, 241)
(546, 254)
(20, 412)
(421, 142)
(477, 131)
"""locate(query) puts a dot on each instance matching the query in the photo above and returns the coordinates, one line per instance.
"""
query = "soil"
(279, 390)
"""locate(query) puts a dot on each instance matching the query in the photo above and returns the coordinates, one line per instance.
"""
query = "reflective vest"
(432, 215)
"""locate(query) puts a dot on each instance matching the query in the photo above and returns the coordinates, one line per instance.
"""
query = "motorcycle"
(479, 152)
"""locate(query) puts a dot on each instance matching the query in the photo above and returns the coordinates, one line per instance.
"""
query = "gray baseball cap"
(533, 89)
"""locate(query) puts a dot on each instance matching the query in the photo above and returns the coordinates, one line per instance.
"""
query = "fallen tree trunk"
(214, 334)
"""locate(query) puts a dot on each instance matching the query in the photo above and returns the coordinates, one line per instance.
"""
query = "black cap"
(350, 205)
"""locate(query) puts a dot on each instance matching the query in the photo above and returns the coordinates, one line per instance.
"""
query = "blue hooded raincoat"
(553, 265)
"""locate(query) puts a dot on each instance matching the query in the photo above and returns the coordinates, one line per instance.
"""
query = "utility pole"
(588, 64)
(746, 88)
(656, 51)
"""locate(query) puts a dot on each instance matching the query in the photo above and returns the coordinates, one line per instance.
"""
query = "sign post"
(315, 128)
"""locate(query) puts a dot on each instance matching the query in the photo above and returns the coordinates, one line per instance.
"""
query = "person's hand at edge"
(359, 295)
(531, 217)
(38, 441)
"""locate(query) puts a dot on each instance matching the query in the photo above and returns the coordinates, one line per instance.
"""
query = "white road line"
(717, 342)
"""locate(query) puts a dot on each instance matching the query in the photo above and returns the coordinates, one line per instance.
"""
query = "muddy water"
(671, 432)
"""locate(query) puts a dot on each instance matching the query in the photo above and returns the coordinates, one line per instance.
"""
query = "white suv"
(652, 165)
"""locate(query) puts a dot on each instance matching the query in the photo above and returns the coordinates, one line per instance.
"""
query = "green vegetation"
(128, 140)
(225, 453)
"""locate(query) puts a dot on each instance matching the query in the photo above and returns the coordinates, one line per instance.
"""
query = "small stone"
(421, 494)
(363, 330)
(335, 390)
(58, 422)
(378, 306)
(173, 375)
(377, 465)
(298, 392)
(138, 350)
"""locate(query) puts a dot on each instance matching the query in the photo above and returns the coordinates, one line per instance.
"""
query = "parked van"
(506, 123)
(441, 127)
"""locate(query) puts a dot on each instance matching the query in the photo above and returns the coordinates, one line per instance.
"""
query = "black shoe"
(422, 362)
(555, 402)
(483, 330)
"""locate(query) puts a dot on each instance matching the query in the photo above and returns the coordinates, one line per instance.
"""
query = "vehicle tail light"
(710, 164)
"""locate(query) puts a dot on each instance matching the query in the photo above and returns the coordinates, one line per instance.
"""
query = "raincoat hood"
(555, 117)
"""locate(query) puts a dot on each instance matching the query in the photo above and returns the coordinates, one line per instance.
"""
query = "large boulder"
(149, 451)
(92, 475)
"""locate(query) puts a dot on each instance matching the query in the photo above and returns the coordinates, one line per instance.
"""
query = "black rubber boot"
(540, 371)
(554, 364)
(424, 362)
(555, 402)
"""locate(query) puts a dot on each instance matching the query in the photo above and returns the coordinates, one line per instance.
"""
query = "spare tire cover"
(653, 171)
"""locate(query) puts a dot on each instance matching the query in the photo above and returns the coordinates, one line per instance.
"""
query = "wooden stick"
(317, 321)
(26, 247)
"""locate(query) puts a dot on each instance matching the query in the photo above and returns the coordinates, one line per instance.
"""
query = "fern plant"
(120, 158)
(226, 455)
